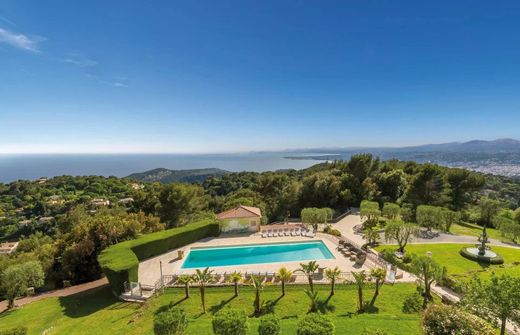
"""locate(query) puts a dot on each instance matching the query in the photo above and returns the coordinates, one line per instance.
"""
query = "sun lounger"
(269, 277)
(311, 234)
(270, 233)
(280, 232)
(293, 232)
(264, 234)
(286, 232)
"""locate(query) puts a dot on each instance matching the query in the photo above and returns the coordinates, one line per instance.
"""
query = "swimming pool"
(256, 254)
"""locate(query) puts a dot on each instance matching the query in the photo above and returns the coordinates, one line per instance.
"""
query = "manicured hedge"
(481, 259)
(120, 262)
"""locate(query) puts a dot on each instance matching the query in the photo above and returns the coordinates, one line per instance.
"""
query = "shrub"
(412, 303)
(407, 258)
(329, 230)
(14, 331)
(172, 322)
(448, 320)
(120, 262)
(230, 322)
(269, 325)
(315, 324)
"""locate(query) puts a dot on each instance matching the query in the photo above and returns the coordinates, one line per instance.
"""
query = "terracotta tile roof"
(240, 212)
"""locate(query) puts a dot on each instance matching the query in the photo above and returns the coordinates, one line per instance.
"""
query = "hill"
(166, 176)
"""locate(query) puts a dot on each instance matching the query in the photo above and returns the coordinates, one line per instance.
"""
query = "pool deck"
(150, 272)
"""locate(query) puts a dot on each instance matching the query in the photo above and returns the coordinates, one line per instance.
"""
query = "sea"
(33, 166)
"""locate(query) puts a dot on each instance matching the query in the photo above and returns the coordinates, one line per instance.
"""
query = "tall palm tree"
(186, 280)
(284, 275)
(332, 275)
(379, 274)
(203, 277)
(309, 269)
(235, 278)
(360, 278)
(258, 284)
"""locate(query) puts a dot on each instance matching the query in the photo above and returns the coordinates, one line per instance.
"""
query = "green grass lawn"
(98, 312)
(470, 229)
(462, 268)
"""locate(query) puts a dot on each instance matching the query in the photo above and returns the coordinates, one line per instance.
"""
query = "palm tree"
(258, 284)
(309, 269)
(360, 278)
(313, 296)
(332, 275)
(284, 275)
(379, 274)
(203, 277)
(235, 278)
(186, 280)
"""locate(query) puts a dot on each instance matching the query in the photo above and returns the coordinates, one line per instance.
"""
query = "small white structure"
(45, 219)
(125, 201)
(100, 202)
(24, 223)
(8, 248)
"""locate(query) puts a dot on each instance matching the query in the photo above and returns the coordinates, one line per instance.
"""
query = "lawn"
(98, 312)
(462, 268)
(470, 229)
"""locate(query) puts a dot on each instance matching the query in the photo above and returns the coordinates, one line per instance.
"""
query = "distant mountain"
(505, 145)
(166, 176)
(500, 157)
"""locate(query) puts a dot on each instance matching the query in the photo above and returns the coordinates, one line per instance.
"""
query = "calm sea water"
(14, 167)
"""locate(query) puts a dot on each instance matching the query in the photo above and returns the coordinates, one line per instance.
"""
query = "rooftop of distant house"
(8, 247)
(240, 212)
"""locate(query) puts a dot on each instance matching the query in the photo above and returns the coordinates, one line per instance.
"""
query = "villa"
(24, 223)
(125, 201)
(8, 247)
(248, 247)
(100, 202)
(241, 219)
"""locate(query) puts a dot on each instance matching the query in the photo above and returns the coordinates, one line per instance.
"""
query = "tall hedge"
(120, 262)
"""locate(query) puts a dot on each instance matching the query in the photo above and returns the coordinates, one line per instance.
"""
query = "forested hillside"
(64, 222)
(166, 176)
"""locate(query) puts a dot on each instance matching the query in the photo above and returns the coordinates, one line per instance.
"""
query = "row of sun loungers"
(287, 232)
(224, 278)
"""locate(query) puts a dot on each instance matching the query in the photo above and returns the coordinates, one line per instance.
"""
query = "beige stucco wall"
(240, 225)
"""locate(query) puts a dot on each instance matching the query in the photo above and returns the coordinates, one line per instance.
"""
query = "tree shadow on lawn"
(214, 309)
(269, 305)
(91, 301)
(170, 305)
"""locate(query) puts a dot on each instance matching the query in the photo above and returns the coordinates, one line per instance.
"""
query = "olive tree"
(314, 216)
(391, 211)
(429, 217)
(449, 218)
(400, 232)
(496, 300)
(16, 279)
(428, 271)
(370, 212)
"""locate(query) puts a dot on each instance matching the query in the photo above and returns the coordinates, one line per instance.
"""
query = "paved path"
(65, 292)
(348, 224)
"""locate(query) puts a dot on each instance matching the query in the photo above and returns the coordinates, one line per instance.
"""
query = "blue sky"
(224, 76)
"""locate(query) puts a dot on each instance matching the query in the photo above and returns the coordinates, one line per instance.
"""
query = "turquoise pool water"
(256, 254)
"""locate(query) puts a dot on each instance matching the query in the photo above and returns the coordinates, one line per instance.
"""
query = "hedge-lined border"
(120, 262)
(481, 259)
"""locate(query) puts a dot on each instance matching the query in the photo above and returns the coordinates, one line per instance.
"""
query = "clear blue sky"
(224, 76)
